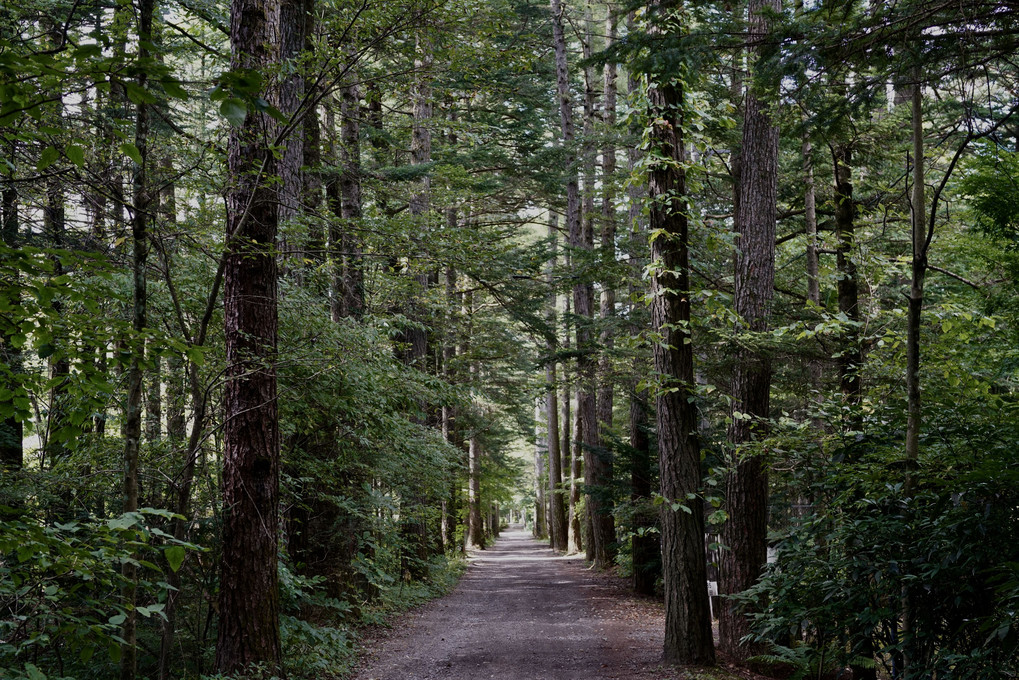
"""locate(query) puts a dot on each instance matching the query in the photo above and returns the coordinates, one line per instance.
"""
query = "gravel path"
(523, 613)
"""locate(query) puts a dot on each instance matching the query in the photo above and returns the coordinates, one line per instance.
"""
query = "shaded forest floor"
(523, 613)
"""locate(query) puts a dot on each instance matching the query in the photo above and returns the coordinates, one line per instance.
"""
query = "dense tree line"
(290, 286)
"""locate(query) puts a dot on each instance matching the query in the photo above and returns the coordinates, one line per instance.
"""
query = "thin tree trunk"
(688, 638)
(540, 476)
(475, 527)
(154, 400)
(312, 151)
(645, 544)
(350, 199)
(557, 507)
(248, 630)
(746, 485)
(12, 454)
(133, 416)
(851, 353)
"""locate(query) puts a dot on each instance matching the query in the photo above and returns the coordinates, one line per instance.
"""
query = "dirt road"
(523, 613)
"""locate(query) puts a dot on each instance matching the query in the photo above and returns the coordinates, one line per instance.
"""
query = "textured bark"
(248, 630)
(746, 485)
(12, 453)
(556, 501)
(475, 537)
(605, 529)
(143, 198)
(688, 638)
(350, 201)
(851, 352)
(813, 280)
(176, 387)
(288, 94)
(581, 292)
(646, 548)
(312, 151)
(540, 476)
(919, 273)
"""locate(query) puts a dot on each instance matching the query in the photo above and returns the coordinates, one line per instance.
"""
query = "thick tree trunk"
(746, 485)
(248, 631)
(688, 638)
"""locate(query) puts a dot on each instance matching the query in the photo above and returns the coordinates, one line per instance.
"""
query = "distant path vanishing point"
(523, 613)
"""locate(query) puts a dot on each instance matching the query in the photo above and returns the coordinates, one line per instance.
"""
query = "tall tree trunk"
(475, 527)
(600, 532)
(312, 150)
(921, 234)
(851, 352)
(12, 453)
(645, 546)
(540, 476)
(556, 502)
(248, 631)
(746, 485)
(688, 638)
(574, 225)
(288, 95)
(813, 266)
(350, 197)
(919, 272)
(133, 417)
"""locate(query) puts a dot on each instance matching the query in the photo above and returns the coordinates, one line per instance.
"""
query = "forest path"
(521, 612)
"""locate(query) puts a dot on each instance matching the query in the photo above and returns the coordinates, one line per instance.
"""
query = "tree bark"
(557, 506)
(133, 410)
(12, 453)
(540, 476)
(851, 352)
(350, 199)
(746, 485)
(248, 631)
(688, 638)
(475, 527)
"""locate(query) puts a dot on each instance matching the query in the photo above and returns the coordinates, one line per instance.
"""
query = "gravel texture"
(521, 612)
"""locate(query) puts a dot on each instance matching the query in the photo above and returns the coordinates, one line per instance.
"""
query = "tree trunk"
(920, 233)
(289, 92)
(688, 638)
(746, 485)
(350, 199)
(540, 476)
(154, 401)
(12, 453)
(600, 532)
(248, 631)
(133, 416)
(475, 527)
(851, 353)
(556, 506)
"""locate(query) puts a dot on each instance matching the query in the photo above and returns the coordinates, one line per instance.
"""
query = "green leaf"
(234, 110)
(33, 673)
(131, 151)
(47, 158)
(174, 557)
(118, 619)
(76, 155)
